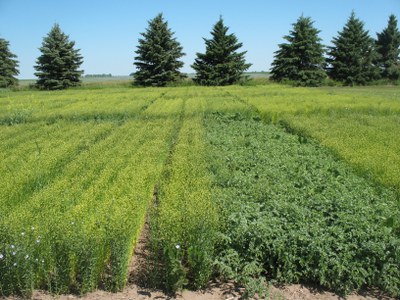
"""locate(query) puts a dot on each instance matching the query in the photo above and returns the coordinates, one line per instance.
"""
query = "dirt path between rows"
(214, 292)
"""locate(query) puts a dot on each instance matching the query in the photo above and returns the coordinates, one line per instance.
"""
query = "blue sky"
(107, 31)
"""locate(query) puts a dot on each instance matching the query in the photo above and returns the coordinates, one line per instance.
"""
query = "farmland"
(250, 183)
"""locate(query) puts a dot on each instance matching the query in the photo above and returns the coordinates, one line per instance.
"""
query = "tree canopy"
(300, 60)
(57, 67)
(158, 53)
(351, 58)
(388, 48)
(8, 65)
(221, 64)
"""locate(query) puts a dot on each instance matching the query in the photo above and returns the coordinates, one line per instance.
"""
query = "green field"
(249, 183)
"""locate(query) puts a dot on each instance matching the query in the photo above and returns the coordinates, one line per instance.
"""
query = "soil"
(215, 291)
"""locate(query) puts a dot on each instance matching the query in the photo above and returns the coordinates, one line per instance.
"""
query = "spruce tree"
(353, 54)
(158, 54)
(301, 60)
(57, 67)
(8, 65)
(388, 48)
(221, 64)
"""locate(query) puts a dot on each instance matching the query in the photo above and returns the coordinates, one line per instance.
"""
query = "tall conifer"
(388, 48)
(301, 60)
(8, 65)
(353, 55)
(158, 55)
(57, 67)
(221, 64)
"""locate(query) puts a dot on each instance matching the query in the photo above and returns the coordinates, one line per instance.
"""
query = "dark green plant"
(301, 60)
(388, 48)
(158, 53)
(352, 56)
(58, 66)
(8, 65)
(221, 64)
(294, 213)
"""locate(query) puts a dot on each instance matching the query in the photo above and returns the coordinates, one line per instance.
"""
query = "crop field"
(244, 183)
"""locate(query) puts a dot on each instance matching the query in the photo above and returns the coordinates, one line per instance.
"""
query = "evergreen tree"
(353, 54)
(57, 67)
(220, 64)
(388, 48)
(157, 55)
(301, 60)
(8, 65)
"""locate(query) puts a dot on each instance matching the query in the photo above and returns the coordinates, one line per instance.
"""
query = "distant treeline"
(97, 75)
(355, 57)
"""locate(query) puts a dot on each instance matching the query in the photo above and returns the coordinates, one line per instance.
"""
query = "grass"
(255, 182)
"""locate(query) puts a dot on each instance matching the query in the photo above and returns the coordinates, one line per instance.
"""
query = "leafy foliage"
(221, 64)
(388, 47)
(157, 55)
(353, 54)
(293, 212)
(301, 60)
(8, 65)
(57, 67)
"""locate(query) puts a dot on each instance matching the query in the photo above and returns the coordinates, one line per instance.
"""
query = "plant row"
(76, 106)
(75, 227)
(34, 157)
(183, 221)
(292, 212)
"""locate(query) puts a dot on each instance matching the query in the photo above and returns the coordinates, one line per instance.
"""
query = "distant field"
(248, 183)
(113, 79)
(85, 80)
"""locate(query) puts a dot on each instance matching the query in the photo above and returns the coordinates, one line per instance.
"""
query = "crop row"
(32, 162)
(76, 230)
(185, 222)
(74, 105)
(292, 212)
(184, 219)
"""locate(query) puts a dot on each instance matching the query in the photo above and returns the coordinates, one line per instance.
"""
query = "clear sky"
(107, 31)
